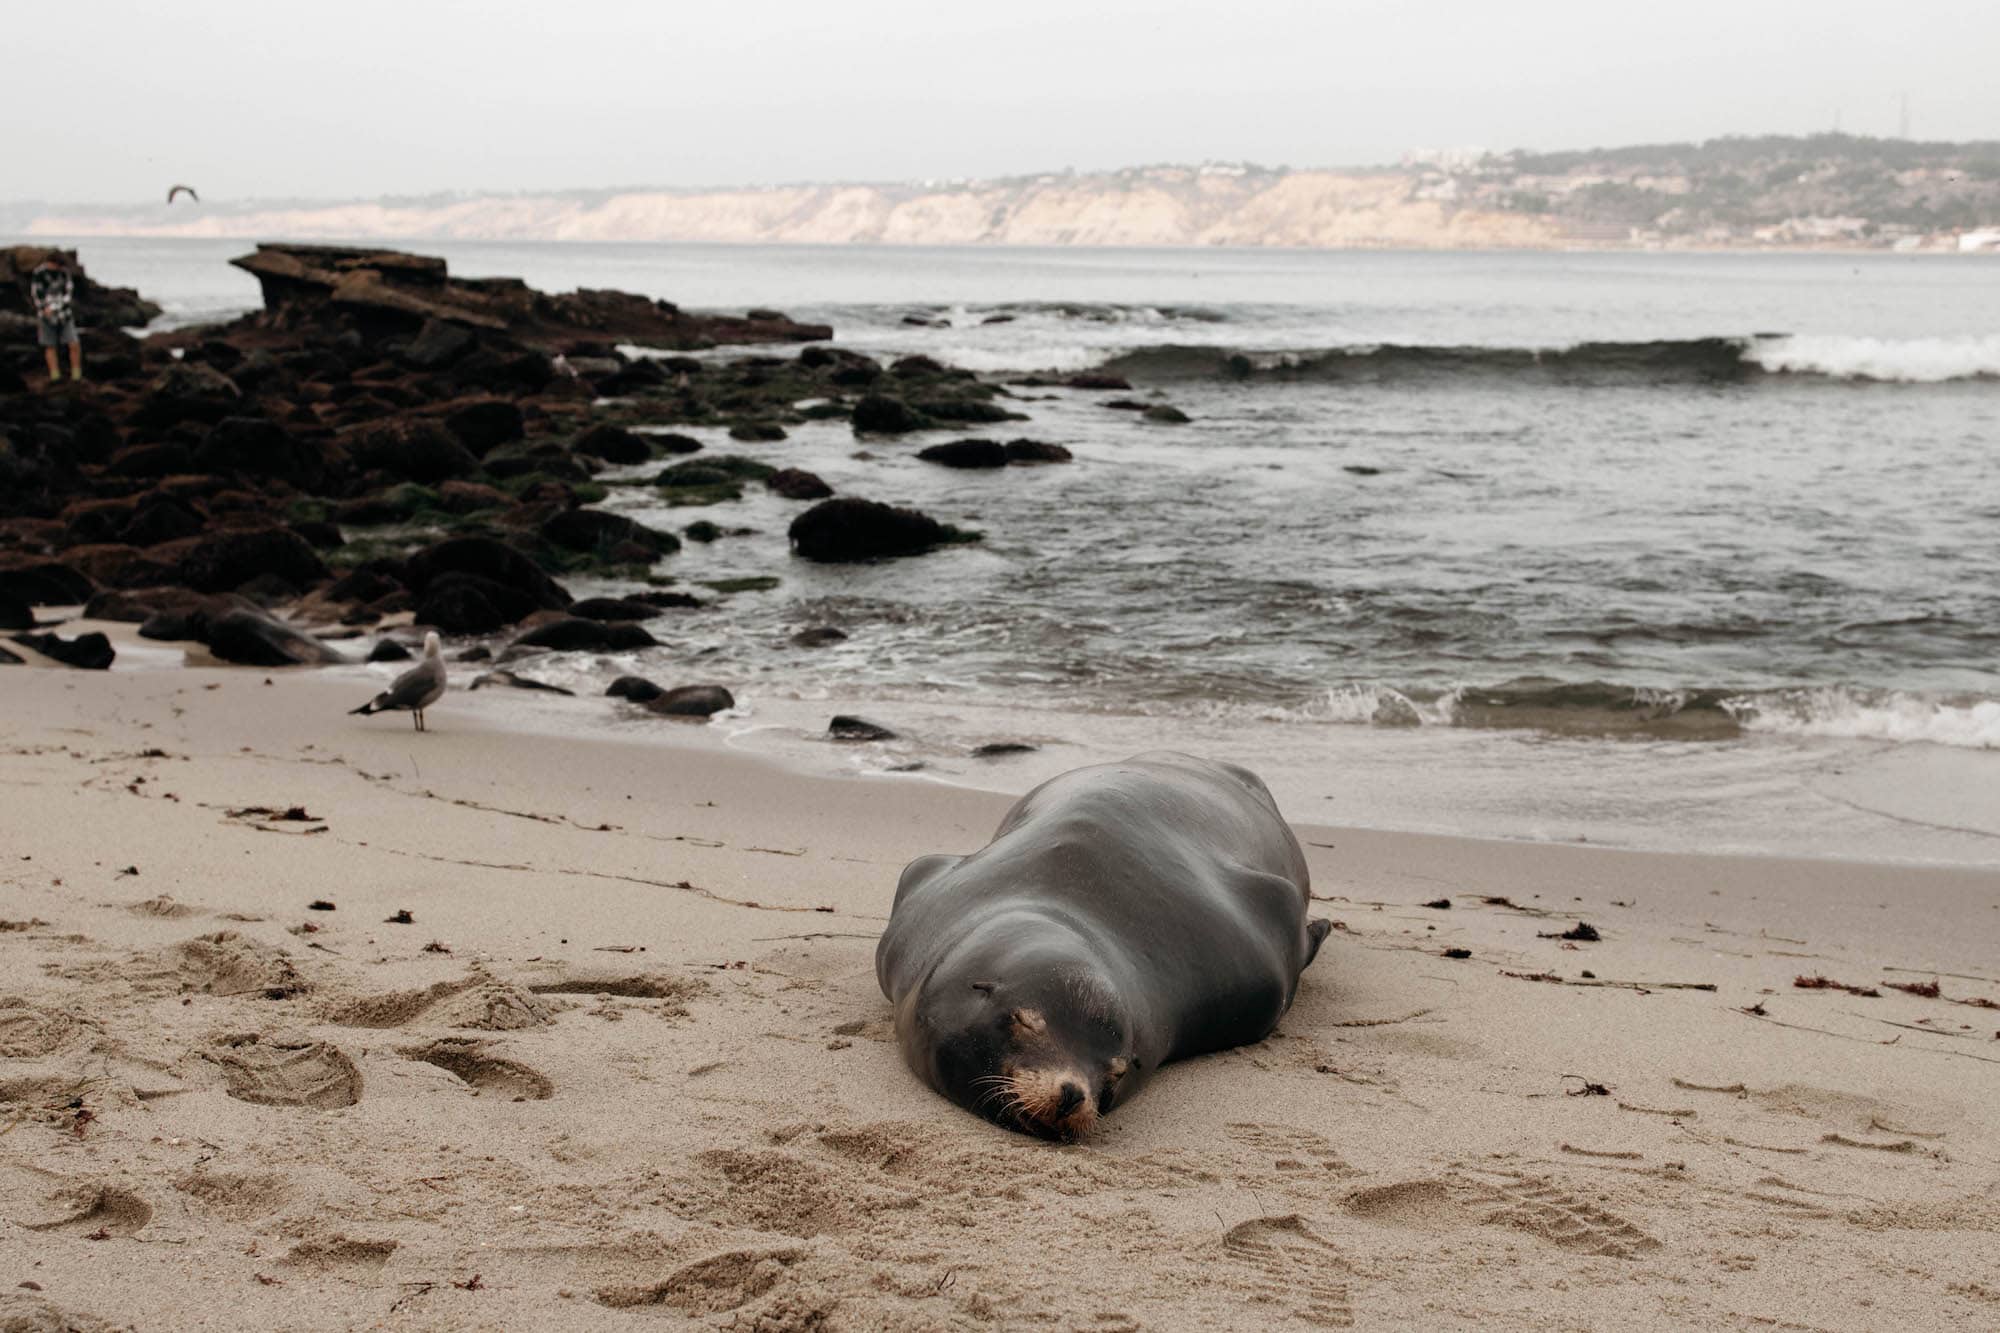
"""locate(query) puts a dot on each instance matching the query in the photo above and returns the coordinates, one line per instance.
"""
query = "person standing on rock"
(55, 319)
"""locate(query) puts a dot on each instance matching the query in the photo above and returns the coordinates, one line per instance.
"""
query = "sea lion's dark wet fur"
(1123, 916)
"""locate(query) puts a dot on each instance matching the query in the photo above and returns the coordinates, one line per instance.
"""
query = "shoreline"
(1314, 768)
(652, 1067)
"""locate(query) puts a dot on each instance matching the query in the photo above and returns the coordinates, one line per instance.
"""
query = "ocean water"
(1672, 551)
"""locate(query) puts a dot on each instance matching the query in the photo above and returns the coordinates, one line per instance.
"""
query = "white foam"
(1895, 717)
(1900, 360)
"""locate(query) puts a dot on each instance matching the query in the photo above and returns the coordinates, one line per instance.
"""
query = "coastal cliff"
(1772, 192)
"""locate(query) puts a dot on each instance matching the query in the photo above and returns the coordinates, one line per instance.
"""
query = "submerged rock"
(795, 483)
(843, 530)
(966, 454)
(846, 727)
(578, 635)
(636, 688)
(692, 701)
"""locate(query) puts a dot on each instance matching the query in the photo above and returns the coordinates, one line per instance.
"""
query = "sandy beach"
(626, 1059)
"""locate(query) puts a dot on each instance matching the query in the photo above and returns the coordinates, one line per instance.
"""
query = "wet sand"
(627, 1061)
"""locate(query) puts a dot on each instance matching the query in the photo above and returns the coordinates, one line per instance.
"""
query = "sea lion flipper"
(1317, 930)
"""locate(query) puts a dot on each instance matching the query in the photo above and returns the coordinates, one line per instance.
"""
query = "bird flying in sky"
(187, 190)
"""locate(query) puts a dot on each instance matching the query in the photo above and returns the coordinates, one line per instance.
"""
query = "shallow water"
(1419, 547)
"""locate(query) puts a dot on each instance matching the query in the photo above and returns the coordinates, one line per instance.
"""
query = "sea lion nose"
(1072, 1097)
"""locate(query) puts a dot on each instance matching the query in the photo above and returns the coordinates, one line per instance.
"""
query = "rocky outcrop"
(388, 289)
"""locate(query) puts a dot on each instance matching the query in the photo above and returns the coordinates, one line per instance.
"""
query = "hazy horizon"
(365, 100)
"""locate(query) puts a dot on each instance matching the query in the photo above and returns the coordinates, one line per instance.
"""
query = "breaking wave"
(1712, 360)
(1600, 710)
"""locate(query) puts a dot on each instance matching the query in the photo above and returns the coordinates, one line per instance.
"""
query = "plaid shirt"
(52, 290)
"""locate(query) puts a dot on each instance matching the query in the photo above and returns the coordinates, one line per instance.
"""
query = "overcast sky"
(356, 98)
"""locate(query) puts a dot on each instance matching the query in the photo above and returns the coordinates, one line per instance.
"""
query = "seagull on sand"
(416, 689)
(187, 190)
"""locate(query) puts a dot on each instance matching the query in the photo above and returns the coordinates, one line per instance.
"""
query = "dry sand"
(628, 1065)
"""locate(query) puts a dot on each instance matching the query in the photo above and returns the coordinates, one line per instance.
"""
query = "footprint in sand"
(1530, 1203)
(469, 1062)
(235, 1195)
(224, 963)
(339, 1254)
(715, 1285)
(286, 1073)
(100, 1212)
(164, 906)
(1290, 1267)
(1289, 1149)
(476, 1002)
(1539, 1207)
(32, 1314)
(28, 1030)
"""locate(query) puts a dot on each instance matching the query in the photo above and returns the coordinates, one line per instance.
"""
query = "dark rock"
(485, 424)
(1114, 383)
(124, 607)
(366, 584)
(478, 652)
(249, 637)
(674, 444)
(43, 582)
(669, 600)
(258, 448)
(14, 613)
(764, 431)
(230, 558)
(188, 391)
(613, 608)
(692, 701)
(636, 688)
(1361, 469)
(637, 377)
(514, 681)
(818, 636)
(438, 344)
(161, 519)
(268, 590)
(1034, 451)
(597, 530)
(319, 535)
(151, 460)
(7, 658)
(1124, 405)
(460, 603)
(117, 565)
(847, 728)
(577, 635)
(909, 367)
(997, 749)
(613, 444)
(418, 448)
(976, 410)
(798, 484)
(764, 316)
(488, 559)
(469, 497)
(91, 652)
(170, 626)
(562, 468)
(840, 530)
(879, 414)
(966, 454)
(388, 650)
(1166, 415)
(701, 530)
